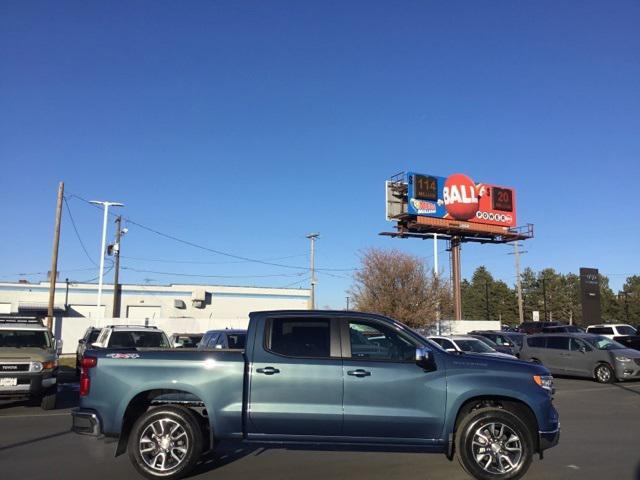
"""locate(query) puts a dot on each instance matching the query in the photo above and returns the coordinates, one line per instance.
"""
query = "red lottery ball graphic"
(460, 198)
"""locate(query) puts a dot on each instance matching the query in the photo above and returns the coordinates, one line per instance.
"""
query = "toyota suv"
(28, 362)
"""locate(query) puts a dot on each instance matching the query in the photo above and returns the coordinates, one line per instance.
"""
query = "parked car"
(536, 327)
(131, 336)
(612, 330)
(221, 339)
(467, 344)
(583, 355)
(512, 340)
(299, 381)
(563, 329)
(28, 361)
(185, 340)
(495, 346)
(90, 336)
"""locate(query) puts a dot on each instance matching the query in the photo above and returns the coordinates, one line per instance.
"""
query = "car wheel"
(165, 443)
(48, 401)
(494, 444)
(604, 374)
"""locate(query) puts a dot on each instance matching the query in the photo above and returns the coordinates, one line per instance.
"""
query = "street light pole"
(106, 206)
(312, 237)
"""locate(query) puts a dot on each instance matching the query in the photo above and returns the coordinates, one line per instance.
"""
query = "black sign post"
(590, 295)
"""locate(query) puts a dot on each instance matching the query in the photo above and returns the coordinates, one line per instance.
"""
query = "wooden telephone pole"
(54, 256)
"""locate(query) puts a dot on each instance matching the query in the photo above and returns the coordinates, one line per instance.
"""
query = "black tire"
(603, 373)
(486, 422)
(190, 440)
(48, 401)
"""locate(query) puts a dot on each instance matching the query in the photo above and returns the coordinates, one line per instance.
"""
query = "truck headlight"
(623, 359)
(36, 367)
(545, 381)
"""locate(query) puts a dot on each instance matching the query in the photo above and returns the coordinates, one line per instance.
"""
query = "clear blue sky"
(244, 125)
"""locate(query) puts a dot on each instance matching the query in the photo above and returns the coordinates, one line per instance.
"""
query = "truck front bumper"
(547, 440)
(28, 384)
(85, 422)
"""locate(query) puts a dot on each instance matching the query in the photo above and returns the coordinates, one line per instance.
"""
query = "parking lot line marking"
(36, 415)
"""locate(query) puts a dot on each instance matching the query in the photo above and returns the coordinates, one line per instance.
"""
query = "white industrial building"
(184, 308)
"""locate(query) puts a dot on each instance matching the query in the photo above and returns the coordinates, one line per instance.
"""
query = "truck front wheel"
(494, 444)
(165, 443)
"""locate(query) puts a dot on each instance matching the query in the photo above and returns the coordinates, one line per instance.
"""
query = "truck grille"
(14, 367)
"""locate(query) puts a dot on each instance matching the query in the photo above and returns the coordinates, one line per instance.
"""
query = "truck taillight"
(85, 381)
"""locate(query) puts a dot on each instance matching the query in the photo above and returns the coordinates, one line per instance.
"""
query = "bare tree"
(396, 284)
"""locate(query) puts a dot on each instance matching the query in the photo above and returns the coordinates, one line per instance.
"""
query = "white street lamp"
(106, 206)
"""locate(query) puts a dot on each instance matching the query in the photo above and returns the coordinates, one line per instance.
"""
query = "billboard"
(590, 295)
(458, 197)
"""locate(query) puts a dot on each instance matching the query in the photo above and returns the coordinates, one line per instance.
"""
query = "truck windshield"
(626, 330)
(24, 339)
(474, 346)
(604, 343)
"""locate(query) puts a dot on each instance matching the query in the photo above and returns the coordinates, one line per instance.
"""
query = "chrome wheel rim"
(497, 448)
(163, 445)
(603, 374)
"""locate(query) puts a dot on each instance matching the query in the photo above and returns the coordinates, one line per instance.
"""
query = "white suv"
(611, 330)
(131, 336)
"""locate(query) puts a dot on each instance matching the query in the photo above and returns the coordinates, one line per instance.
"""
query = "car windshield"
(24, 339)
(189, 341)
(626, 330)
(474, 345)
(604, 343)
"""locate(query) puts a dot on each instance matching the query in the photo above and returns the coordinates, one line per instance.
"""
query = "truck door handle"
(359, 373)
(268, 370)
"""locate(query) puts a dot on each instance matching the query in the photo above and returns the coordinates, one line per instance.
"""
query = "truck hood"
(504, 360)
(26, 355)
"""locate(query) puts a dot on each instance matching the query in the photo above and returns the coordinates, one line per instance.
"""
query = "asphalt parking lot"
(600, 439)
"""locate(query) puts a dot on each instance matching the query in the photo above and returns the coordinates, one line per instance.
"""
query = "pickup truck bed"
(317, 376)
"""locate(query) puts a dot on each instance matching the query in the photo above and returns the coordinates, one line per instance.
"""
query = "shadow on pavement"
(34, 440)
(622, 387)
(230, 451)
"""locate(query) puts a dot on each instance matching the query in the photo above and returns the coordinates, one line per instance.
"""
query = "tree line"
(400, 285)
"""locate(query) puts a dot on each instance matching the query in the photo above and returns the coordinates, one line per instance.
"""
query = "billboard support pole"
(457, 294)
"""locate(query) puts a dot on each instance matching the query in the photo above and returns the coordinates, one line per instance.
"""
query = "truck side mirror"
(423, 355)
(82, 341)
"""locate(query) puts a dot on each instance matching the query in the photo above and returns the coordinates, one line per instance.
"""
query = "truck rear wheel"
(165, 443)
(494, 444)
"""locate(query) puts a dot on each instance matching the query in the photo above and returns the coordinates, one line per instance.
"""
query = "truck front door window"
(376, 342)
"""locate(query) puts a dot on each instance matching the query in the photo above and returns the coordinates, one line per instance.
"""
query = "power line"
(201, 262)
(213, 250)
(30, 274)
(182, 274)
(75, 228)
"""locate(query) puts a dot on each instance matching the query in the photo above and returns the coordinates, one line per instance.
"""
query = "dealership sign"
(458, 197)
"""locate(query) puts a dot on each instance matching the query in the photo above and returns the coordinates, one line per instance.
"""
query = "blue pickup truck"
(342, 378)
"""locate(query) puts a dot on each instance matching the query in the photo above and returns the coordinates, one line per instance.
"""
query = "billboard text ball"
(460, 197)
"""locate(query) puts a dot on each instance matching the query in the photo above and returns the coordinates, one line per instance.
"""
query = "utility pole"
(116, 274)
(312, 237)
(455, 273)
(106, 205)
(347, 304)
(54, 256)
(516, 253)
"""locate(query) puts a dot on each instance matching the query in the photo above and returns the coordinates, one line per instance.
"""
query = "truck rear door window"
(300, 338)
